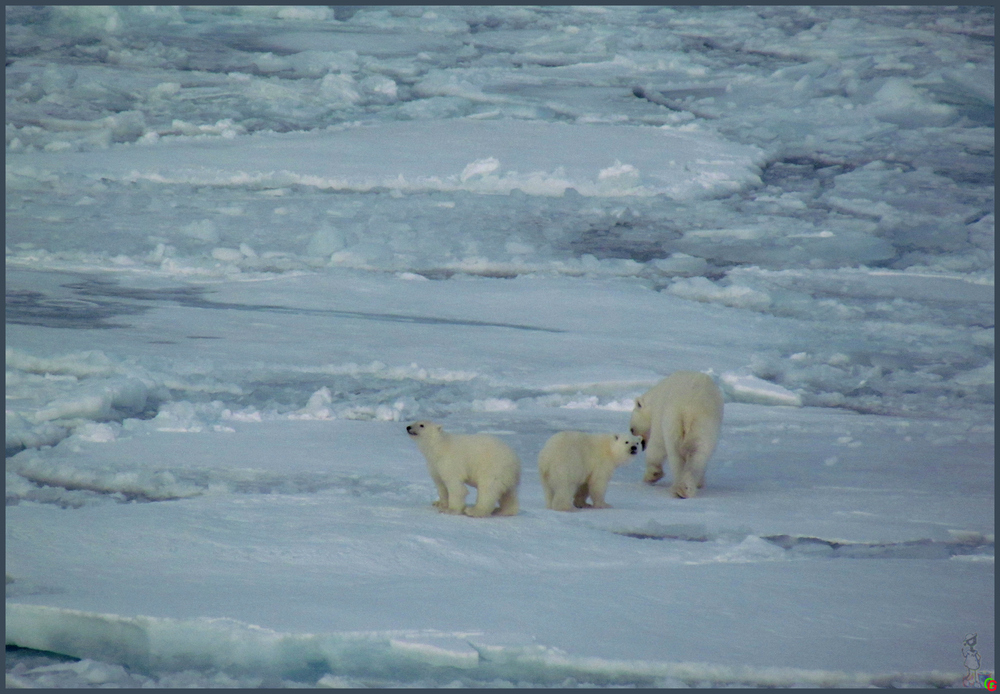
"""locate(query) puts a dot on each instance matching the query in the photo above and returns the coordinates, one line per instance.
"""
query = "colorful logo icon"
(990, 684)
(972, 662)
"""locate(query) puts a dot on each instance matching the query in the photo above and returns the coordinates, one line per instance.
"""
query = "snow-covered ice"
(246, 245)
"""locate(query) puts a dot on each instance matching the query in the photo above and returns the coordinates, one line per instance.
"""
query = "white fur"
(679, 419)
(482, 461)
(574, 465)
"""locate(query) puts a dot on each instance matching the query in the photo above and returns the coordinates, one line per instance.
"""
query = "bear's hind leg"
(678, 454)
(697, 462)
(486, 502)
(508, 504)
(562, 499)
(456, 498)
(692, 471)
(547, 488)
(698, 446)
(684, 489)
(684, 486)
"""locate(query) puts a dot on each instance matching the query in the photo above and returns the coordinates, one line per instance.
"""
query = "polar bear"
(483, 461)
(574, 465)
(679, 418)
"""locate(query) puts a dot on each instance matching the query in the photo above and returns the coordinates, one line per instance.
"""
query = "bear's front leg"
(656, 453)
(442, 503)
(580, 498)
(598, 487)
(654, 464)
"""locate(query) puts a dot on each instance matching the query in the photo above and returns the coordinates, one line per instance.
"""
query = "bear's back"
(688, 390)
(484, 447)
(576, 448)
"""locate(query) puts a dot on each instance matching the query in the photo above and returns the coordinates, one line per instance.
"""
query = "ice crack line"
(979, 545)
(193, 298)
(35, 308)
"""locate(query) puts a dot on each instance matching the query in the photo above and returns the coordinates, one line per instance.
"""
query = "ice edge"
(149, 643)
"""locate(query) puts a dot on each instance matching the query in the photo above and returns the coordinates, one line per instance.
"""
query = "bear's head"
(423, 428)
(626, 446)
(641, 422)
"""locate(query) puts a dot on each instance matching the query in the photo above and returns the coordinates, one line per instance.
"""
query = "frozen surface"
(346, 531)
(491, 156)
(245, 246)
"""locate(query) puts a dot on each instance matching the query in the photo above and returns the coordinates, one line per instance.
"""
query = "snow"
(325, 524)
(246, 245)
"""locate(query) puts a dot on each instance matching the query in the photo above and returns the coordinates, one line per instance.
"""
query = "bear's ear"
(638, 404)
(617, 437)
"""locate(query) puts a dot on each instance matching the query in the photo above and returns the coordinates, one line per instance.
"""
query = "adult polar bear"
(679, 418)
(480, 460)
(574, 465)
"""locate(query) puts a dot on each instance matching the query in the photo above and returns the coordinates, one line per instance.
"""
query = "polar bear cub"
(679, 418)
(480, 460)
(574, 465)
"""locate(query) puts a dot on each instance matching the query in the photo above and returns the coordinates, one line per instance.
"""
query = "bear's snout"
(633, 449)
(410, 431)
